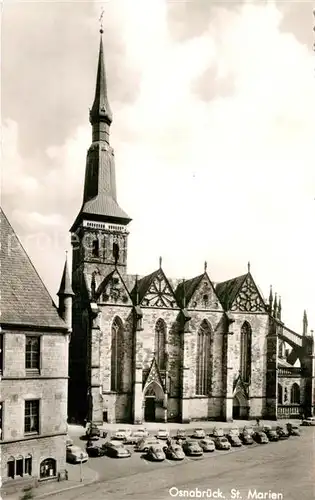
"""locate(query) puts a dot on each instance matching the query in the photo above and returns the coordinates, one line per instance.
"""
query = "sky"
(213, 106)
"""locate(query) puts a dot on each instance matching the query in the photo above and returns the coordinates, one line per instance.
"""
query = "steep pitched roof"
(187, 288)
(24, 298)
(143, 286)
(65, 285)
(228, 290)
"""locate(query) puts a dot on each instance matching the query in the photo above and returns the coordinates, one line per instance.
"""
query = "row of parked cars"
(163, 446)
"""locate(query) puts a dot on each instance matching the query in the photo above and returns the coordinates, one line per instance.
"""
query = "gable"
(24, 298)
(158, 292)
(248, 298)
(153, 376)
(204, 296)
(113, 291)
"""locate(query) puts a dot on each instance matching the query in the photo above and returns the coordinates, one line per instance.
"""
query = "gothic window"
(204, 359)
(160, 340)
(280, 394)
(116, 252)
(295, 393)
(246, 352)
(281, 350)
(95, 248)
(117, 354)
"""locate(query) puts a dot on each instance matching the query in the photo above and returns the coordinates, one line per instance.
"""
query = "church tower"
(99, 233)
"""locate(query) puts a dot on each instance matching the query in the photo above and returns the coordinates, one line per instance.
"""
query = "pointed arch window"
(117, 355)
(295, 393)
(280, 394)
(246, 352)
(160, 341)
(204, 359)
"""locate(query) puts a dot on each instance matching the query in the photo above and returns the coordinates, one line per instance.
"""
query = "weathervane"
(101, 21)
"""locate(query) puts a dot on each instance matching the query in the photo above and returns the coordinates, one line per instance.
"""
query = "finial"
(137, 291)
(275, 306)
(160, 262)
(305, 323)
(184, 293)
(101, 21)
(279, 308)
(205, 266)
(248, 267)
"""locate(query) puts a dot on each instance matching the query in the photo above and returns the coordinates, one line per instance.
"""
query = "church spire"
(100, 114)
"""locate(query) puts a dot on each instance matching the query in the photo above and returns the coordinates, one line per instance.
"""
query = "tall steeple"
(65, 295)
(99, 198)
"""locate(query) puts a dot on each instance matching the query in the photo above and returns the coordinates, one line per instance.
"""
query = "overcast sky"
(213, 131)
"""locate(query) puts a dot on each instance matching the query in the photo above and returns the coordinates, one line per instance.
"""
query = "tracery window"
(117, 354)
(246, 352)
(160, 341)
(295, 393)
(204, 359)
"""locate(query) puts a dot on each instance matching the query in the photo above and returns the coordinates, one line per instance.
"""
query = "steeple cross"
(101, 21)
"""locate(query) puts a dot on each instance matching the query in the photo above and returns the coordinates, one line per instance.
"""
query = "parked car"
(95, 449)
(69, 441)
(260, 437)
(174, 452)
(181, 434)
(93, 432)
(282, 433)
(272, 434)
(145, 443)
(308, 421)
(198, 434)
(192, 448)
(156, 453)
(162, 434)
(221, 443)
(234, 431)
(121, 434)
(293, 429)
(116, 449)
(75, 455)
(246, 438)
(207, 445)
(217, 432)
(134, 437)
(234, 440)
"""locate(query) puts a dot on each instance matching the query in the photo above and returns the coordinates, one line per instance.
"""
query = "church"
(151, 348)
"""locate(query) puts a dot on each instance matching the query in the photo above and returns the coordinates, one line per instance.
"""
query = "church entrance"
(149, 409)
(240, 407)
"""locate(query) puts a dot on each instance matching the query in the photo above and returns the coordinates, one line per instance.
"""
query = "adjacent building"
(151, 348)
(34, 340)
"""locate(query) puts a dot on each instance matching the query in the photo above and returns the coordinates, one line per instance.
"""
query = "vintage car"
(260, 437)
(207, 444)
(174, 452)
(198, 434)
(222, 443)
(217, 432)
(233, 431)
(192, 448)
(75, 455)
(271, 434)
(145, 443)
(282, 433)
(92, 431)
(308, 421)
(116, 449)
(121, 434)
(135, 436)
(181, 435)
(246, 436)
(95, 448)
(156, 453)
(162, 434)
(234, 440)
(293, 429)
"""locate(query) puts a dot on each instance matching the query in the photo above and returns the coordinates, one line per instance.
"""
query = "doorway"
(149, 409)
(240, 407)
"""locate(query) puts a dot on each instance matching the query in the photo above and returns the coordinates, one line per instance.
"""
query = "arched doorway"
(153, 399)
(240, 406)
(48, 468)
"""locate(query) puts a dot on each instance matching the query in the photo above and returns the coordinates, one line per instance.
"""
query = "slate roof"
(65, 285)
(187, 287)
(143, 286)
(103, 205)
(25, 301)
(228, 290)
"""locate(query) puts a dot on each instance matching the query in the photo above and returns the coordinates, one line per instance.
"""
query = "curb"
(69, 488)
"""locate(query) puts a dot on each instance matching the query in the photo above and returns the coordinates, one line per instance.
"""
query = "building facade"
(151, 348)
(34, 343)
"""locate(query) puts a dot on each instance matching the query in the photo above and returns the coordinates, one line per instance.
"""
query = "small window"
(116, 252)
(19, 466)
(31, 419)
(28, 465)
(32, 352)
(11, 467)
(95, 248)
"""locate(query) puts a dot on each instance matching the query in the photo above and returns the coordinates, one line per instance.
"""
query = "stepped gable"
(24, 298)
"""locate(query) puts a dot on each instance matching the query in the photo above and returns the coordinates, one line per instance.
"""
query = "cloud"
(213, 143)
